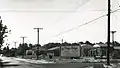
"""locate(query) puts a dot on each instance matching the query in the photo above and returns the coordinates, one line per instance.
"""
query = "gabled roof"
(101, 45)
(40, 48)
(96, 45)
(54, 48)
(86, 46)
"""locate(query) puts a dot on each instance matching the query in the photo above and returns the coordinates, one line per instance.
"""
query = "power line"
(86, 23)
(44, 11)
(32, 10)
(118, 3)
(51, 11)
(81, 25)
(115, 10)
(77, 7)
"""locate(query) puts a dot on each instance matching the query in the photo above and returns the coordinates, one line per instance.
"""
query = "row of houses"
(84, 50)
(77, 51)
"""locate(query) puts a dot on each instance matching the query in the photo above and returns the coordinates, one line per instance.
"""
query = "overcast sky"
(57, 16)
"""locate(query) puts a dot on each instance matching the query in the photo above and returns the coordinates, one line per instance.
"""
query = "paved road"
(13, 63)
(24, 65)
(10, 62)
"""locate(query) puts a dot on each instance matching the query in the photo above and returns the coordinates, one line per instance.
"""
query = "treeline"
(51, 45)
(21, 49)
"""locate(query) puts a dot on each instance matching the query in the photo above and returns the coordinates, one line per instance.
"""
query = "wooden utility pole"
(23, 38)
(108, 39)
(113, 32)
(38, 40)
(15, 44)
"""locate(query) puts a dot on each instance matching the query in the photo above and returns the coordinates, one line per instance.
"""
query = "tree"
(12, 52)
(81, 42)
(22, 49)
(75, 44)
(100, 43)
(3, 32)
(87, 42)
(30, 46)
(51, 45)
(116, 43)
(6, 51)
(66, 44)
(116, 54)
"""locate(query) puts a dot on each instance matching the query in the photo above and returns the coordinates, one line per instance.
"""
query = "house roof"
(86, 46)
(54, 48)
(101, 45)
(96, 45)
(40, 48)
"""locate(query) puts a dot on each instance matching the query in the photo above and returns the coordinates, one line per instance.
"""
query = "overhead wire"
(81, 25)
(74, 10)
(37, 10)
(87, 22)
(80, 5)
(118, 3)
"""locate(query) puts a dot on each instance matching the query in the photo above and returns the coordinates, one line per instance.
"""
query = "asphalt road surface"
(10, 62)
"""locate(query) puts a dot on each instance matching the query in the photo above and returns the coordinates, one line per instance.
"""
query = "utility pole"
(38, 40)
(15, 49)
(60, 48)
(108, 38)
(113, 36)
(15, 44)
(23, 38)
(62, 41)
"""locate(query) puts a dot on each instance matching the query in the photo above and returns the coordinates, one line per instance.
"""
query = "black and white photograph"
(59, 34)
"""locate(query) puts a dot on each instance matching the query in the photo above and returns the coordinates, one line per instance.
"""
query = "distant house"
(82, 50)
(67, 51)
(55, 51)
(86, 50)
(101, 50)
(116, 53)
(32, 53)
